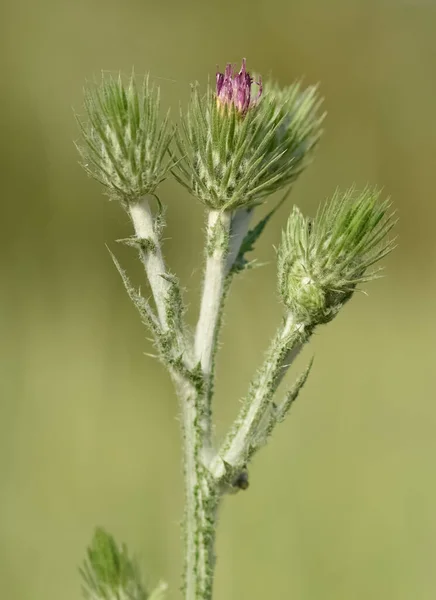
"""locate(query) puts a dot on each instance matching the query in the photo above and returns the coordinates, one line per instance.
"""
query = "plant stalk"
(240, 443)
(225, 232)
(218, 236)
(151, 256)
(201, 498)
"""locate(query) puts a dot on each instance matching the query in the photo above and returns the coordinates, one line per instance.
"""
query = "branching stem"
(201, 499)
(203, 472)
(240, 443)
(218, 235)
(225, 233)
(151, 256)
(218, 230)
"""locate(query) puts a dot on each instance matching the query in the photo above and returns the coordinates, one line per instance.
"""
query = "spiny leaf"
(144, 244)
(147, 315)
(253, 235)
(277, 414)
(292, 394)
(108, 572)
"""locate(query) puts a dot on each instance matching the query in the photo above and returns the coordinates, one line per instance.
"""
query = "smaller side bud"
(320, 263)
(125, 144)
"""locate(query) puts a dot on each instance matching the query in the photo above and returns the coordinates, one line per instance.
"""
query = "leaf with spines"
(141, 244)
(252, 236)
(291, 395)
(148, 317)
(109, 573)
(163, 339)
(173, 303)
(277, 413)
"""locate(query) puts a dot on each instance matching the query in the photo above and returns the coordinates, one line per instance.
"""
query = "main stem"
(225, 233)
(200, 488)
(201, 498)
(217, 245)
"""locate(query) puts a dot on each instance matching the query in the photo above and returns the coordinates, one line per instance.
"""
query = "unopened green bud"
(320, 263)
(125, 144)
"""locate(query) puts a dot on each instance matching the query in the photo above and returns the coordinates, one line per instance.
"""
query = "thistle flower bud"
(233, 90)
(125, 145)
(235, 150)
(320, 263)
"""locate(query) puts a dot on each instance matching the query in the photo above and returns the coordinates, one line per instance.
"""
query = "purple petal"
(219, 82)
(234, 88)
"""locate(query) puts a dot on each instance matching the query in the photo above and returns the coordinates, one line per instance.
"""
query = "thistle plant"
(236, 145)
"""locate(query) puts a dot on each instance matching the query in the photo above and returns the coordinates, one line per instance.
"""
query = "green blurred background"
(342, 503)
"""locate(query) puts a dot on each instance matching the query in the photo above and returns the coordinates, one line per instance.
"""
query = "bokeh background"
(342, 503)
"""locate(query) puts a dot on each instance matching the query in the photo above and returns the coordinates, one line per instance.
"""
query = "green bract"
(109, 573)
(125, 144)
(321, 262)
(229, 159)
(294, 115)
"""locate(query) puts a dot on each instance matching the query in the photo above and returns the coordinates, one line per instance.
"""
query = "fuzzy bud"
(125, 145)
(320, 263)
(235, 149)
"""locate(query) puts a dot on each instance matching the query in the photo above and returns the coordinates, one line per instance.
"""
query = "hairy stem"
(201, 498)
(218, 232)
(151, 255)
(241, 440)
(225, 233)
(200, 488)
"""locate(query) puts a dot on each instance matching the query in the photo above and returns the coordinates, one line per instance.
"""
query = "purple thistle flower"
(234, 89)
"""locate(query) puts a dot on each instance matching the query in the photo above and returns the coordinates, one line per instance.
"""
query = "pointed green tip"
(125, 142)
(321, 262)
(108, 571)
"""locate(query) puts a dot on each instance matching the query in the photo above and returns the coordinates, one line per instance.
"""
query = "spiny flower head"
(321, 262)
(233, 90)
(125, 142)
(234, 151)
